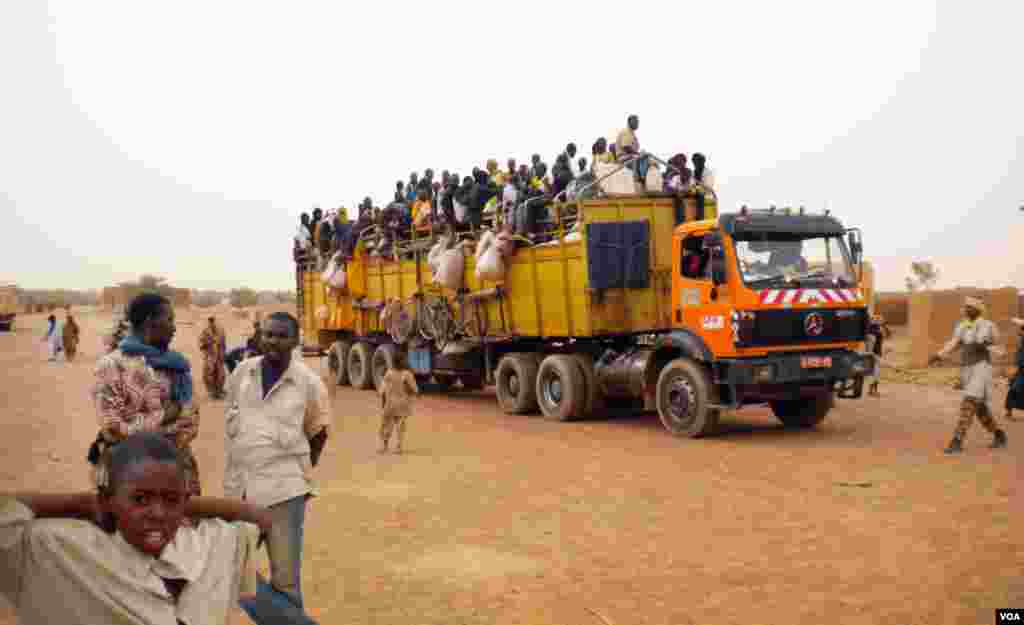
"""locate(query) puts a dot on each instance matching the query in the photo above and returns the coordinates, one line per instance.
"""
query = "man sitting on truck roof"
(410, 189)
(599, 152)
(678, 179)
(561, 173)
(702, 174)
(626, 143)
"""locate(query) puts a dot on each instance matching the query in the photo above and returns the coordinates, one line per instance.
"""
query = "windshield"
(822, 261)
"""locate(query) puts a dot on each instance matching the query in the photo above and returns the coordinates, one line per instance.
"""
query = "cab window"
(696, 259)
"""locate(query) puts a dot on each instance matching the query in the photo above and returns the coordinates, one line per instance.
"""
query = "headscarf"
(975, 303)
(170, 361)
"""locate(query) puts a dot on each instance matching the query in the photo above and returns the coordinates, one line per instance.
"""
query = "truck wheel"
(359, 367)
(683, 395)
(337, 362)
(515, 382)
(592, 403)
(802, 413)
(383, 359)
(560, 388)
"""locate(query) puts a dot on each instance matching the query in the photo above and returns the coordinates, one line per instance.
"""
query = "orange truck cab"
(767, 308)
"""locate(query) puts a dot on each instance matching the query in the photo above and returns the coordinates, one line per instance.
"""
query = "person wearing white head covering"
(974, 337)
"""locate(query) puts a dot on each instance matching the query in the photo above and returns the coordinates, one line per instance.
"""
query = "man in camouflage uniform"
(974, 336)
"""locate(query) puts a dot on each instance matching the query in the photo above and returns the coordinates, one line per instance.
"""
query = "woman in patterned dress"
(144, 386)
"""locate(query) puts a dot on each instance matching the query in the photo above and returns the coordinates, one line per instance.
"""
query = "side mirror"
(856, 249)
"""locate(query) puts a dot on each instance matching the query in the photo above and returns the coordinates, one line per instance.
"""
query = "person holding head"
(143, 385)
(277, 424)
(974, 337)
(127, 555)
(212, 344)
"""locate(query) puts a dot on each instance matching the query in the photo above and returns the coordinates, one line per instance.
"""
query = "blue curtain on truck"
(619, 254)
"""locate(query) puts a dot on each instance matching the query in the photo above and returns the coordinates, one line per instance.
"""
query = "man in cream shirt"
(277, 426)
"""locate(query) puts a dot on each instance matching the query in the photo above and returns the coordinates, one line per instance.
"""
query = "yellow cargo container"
(546, 292)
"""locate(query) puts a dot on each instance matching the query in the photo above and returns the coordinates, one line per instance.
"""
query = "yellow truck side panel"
(636, 310)
(546, 287)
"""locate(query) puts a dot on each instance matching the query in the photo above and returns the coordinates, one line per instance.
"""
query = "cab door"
(698, 305)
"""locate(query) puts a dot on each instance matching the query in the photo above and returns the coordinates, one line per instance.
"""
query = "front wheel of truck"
(684, 398)
(359, 372)
(803, 413)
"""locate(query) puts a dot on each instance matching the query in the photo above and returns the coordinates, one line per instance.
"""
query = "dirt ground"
(490, 518)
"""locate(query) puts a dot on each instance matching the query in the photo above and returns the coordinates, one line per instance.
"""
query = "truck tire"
(383, 359)
(360, 372)
(592, 403)
(683, 398)
(337, 362)
(803, 413)
(560, 388)
(515, 382)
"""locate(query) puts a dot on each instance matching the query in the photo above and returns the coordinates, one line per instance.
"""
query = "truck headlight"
(763, 373)
(743, 326)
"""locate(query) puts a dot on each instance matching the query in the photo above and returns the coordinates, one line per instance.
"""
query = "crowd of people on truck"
(513, 198)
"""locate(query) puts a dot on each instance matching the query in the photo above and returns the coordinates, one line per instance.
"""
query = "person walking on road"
(54, 338)
(397, 389)
(278, 419)
(70, 338)
(212, 345)
(873, 344)
(974, 337)
(1015, 394)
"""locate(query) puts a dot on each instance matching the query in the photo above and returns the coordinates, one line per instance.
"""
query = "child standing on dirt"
(397, 389)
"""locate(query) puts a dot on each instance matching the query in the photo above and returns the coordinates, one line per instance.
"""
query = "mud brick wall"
(182, 298)
(934, 314)
(894, 307)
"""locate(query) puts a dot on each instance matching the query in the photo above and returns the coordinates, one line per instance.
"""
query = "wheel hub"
(552, 388)
(681, 400)
(513, 385)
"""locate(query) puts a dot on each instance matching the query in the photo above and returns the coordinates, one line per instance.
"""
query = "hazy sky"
(184, 138)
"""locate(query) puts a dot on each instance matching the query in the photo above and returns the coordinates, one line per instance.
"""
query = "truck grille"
(788, 327)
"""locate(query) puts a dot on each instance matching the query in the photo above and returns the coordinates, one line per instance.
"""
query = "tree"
(240, 298)
(925, 275)
(149, 283)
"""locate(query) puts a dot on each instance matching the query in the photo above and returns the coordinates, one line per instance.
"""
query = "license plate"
(816, 362)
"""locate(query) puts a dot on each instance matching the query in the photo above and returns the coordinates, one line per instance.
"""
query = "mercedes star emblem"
(814, 324)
